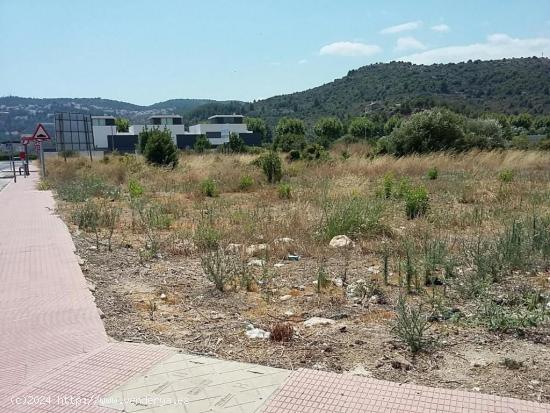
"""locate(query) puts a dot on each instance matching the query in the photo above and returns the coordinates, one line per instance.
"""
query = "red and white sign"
(40, 134)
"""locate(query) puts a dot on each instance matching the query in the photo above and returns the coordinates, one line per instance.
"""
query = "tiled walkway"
(56, 357)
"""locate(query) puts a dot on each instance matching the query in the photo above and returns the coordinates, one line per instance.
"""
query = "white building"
(103, 126)
(219, 127)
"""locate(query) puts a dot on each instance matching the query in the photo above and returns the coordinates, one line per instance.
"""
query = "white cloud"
(349, 49)
(409, 43)
(402, 27)
(497, 46)
(302, 61)
(442, 28)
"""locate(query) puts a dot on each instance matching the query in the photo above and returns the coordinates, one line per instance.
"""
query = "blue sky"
(148, 51)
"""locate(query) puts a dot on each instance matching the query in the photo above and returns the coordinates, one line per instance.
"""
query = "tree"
(122, 125)
(160, 149)
(143, 137)
(523, 120)
(201, 144)
(427, 131)
(258, 125)
(361, 128)
(236, 143)
(290, 134)
(328, 130)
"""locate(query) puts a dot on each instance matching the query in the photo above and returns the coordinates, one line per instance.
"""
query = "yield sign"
(40, 133)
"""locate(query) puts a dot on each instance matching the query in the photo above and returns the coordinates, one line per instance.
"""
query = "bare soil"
(169, 301)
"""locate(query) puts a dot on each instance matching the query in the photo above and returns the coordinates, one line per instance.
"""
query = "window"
(109, 122)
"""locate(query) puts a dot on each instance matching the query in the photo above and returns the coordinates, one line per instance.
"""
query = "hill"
(509, 86)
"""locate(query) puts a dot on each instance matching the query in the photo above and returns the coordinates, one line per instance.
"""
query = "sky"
(149, 51)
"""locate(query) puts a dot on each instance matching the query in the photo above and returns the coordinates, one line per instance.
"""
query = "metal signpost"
(40, 135)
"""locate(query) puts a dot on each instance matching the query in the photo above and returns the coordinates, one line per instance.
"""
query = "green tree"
(201, 144)
(160, 149)
(236, 143)
(290, 134)
(122, 125)
(523, 120)
(143, 137)
(430, 130)
(361, 128)
(259, 126)
(328, 129)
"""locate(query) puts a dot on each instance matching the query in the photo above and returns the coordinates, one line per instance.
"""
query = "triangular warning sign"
(40, 133)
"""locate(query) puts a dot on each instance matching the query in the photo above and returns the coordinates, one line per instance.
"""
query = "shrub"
(245, 182)
(506, 175)
(206, 237)
(521, 142)
(236, 143)
(430, 130)
(416, 202)
(281, 332)
(410, 326)
(432, 173)
(88, 218)
(323, 280)
(135, 190)
(544, 144)
(284, 191)
(328, 129)
(160, 149)
(271, 166)
(290, 134)
(209, 188)
(218, 267)
(314, 152)
(351, 216)
(201, 144)
(80, 190)
(387, 186)
(294, 155)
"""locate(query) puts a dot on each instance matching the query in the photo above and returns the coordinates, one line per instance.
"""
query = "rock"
(278, 265)
(101, 314)
(90, 285)
(253, 250)
(289, 313)
(301, 287)
(318, 321)
(80, 260)
(256, 263)
(284, 240)
(234, 248)
(374, 270)
(340, 241)
(359, 370)
(253, 332)
(163, 296)
(338, 282)
(92, 248)
(375, 299)
(400, 363)
(343, 329)
(285, 297)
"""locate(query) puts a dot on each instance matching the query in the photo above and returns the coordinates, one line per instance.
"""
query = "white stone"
(338, 282)
(285, 297)
(90, 285)
(359, 370)
(340, 241)
(234, 248)
(80, 260)
(256, 263)
(288, 313)
(256, 249)
(284, 240)
(163, 296)
(279, 265)
(318, 321)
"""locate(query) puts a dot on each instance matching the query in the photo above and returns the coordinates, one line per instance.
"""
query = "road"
(6, 173)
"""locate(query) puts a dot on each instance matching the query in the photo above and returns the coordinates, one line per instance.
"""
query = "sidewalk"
(56, 357)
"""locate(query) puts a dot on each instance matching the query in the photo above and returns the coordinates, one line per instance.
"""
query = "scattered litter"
(256, 263)
(279, 265)
(253, 332)
(285, 297)
(291, 257)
